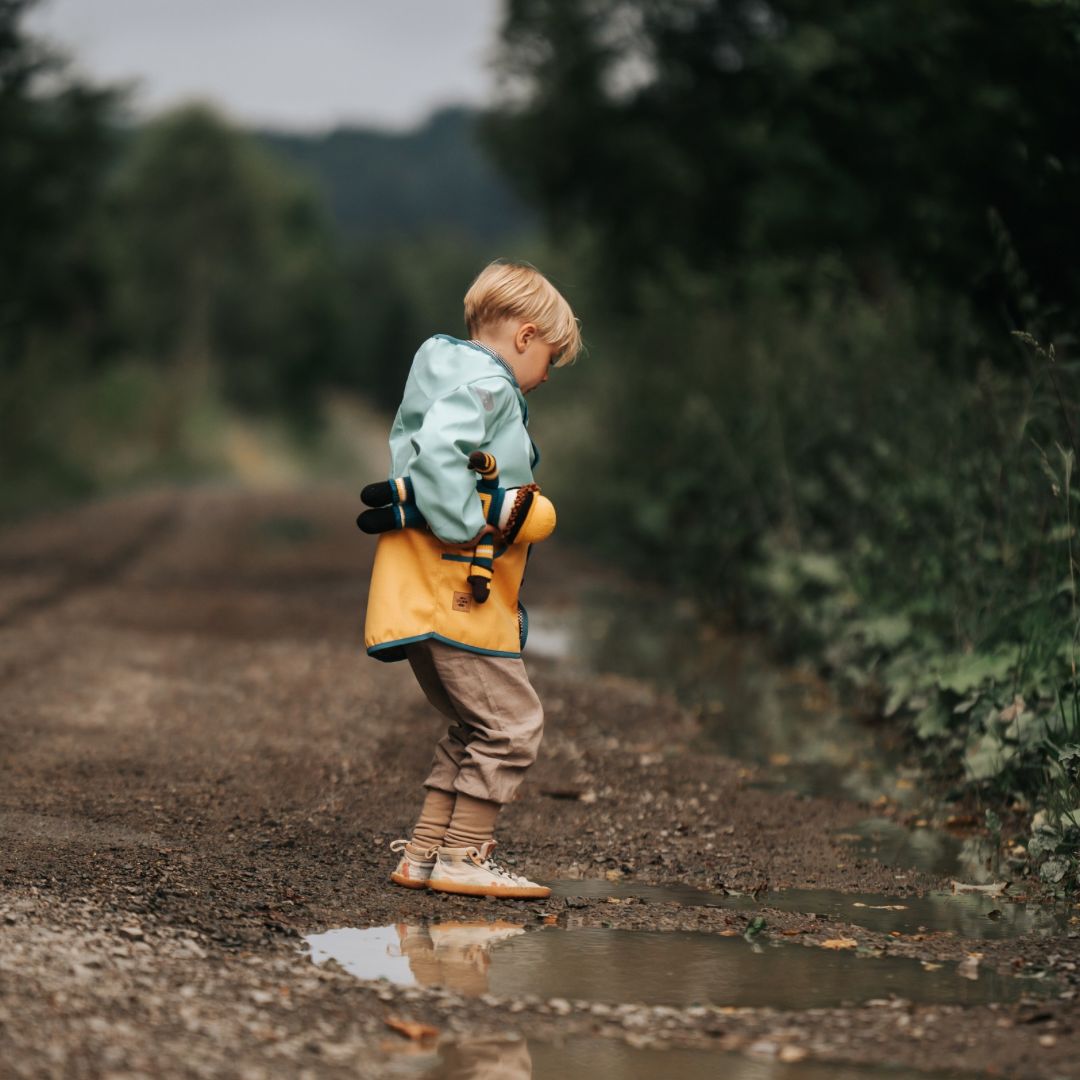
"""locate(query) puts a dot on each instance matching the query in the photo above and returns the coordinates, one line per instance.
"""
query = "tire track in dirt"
(74, 577)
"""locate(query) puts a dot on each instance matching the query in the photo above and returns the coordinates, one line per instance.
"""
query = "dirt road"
(199, 766)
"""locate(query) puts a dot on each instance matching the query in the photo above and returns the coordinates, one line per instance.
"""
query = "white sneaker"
(470, 871)
(413, 870)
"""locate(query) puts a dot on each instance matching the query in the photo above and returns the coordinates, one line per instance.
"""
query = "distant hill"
(433, 180)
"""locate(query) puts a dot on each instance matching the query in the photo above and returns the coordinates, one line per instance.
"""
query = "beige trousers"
(497, 719)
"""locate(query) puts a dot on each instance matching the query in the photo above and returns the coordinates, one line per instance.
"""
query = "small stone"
(762, 1049)
(132, 932)
(790, 1054)
(1048, 1041)
(560, 1006)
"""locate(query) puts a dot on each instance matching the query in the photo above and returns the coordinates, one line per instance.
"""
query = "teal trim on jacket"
(391, 652)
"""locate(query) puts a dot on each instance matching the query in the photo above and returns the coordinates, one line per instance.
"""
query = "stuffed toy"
(521, 515)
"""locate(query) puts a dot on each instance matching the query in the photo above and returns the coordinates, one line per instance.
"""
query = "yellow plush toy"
(520, 515)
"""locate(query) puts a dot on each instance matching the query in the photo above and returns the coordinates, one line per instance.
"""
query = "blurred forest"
(824, 258)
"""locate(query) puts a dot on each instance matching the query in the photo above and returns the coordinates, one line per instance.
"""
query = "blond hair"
(510, 290)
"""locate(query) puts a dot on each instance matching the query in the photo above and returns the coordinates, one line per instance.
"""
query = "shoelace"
(493, 867)
(399, 846)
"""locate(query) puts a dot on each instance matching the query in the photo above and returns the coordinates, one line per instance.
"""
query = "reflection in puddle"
(588, 1059)
(680, 968)
(933, 850)
(484, 1059)
(457, 955)
(967, 915)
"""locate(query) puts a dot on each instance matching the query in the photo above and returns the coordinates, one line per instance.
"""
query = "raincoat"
(459, 397)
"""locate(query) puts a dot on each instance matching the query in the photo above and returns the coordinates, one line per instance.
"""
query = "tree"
(224, 262)
(935, 136)
(55, 143)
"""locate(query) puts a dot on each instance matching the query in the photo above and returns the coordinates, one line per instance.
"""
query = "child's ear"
(525, 335)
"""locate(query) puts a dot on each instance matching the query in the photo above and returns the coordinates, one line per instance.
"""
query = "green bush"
(805, 456)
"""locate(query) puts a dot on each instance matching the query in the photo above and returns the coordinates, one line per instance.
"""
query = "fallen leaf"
(411, 1029)
(959, 821)
(613, 875)
(931, 967)
(1012, 711)
(840, 943)
(754, 927)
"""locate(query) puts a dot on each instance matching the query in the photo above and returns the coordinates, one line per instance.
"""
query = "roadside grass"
(75, 434)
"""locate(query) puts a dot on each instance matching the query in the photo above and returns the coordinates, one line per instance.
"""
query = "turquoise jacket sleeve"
(456, 424)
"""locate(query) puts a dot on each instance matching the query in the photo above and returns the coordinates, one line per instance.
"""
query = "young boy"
(463, 396)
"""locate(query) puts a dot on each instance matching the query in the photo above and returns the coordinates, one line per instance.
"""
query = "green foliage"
(933, 137)
(401, 294)
(810, 462)
(383, 186)
(54, 141)
(223, 263)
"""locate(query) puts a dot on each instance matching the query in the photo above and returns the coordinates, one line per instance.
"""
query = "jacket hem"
(392, 651)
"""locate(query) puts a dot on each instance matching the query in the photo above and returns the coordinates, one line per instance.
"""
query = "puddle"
(967, 915)
(933, 850)
(587, 1059)
(680, 968)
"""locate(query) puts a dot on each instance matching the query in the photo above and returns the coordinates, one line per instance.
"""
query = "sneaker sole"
(408, 883)
(511, 892)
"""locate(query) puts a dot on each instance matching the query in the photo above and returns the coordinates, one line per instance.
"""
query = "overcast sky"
(293, 64)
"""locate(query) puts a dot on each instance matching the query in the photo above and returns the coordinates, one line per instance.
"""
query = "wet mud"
(199, 768)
